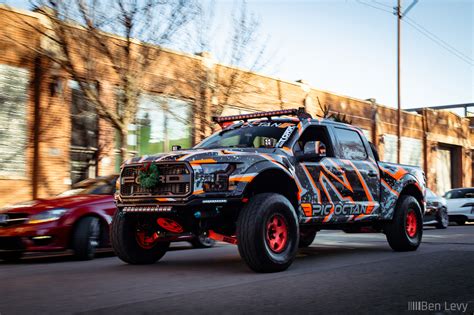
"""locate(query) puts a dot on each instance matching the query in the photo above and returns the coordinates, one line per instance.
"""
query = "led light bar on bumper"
(148, 209)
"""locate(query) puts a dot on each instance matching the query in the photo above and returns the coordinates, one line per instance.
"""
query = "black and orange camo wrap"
(332, 190)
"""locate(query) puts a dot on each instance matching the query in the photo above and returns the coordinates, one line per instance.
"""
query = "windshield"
(430, 194)
(258, 134)
(91, 187)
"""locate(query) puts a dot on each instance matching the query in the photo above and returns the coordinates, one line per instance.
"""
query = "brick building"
(49, 140)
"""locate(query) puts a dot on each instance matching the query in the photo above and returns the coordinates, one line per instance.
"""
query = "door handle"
(372, 173)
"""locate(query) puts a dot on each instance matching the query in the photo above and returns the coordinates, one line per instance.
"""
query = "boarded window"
(390, 143)
(13, 124)
(411, 151)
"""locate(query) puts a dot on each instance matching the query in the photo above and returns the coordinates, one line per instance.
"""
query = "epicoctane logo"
(339, 209)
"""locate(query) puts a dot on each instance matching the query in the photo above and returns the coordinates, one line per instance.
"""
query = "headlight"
(216, 176)
(47, 216)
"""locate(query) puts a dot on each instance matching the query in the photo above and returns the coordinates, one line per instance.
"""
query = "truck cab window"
(351, 144)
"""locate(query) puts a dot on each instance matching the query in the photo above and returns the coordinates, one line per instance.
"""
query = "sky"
(349, 47)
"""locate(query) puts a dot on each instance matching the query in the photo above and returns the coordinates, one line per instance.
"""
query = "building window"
(84, 135)
(13, 125)
(161, 123)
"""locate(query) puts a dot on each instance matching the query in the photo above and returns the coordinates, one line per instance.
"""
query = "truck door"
(326, 187)
(362, 171)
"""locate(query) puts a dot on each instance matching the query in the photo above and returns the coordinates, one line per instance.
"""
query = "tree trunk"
(123, 145)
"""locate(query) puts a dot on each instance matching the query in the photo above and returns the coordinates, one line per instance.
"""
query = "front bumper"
(174, 205)
(34, 237)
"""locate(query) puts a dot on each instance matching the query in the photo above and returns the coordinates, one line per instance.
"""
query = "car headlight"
(215, 177)
(47, 216)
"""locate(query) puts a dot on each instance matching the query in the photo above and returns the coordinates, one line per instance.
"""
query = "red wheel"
(405, 230)
(277, 233)
(135, 242)
(411, 223)
(146, 241)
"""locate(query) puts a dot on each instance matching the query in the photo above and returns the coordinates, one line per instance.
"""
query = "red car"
(77, 219)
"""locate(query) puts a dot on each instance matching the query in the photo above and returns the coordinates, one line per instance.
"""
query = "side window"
(469, 193)
(315, 133)
(352, 147)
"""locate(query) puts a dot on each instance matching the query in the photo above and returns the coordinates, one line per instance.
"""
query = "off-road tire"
(443, 219)
(252, 233)
(396, 230)
(125, 245)
(86, 238)
(307, 237)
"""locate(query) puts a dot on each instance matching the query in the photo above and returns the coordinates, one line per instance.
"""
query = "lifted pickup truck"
(267, 182)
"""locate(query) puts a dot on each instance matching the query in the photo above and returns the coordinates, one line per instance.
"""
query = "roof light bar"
(300, 112)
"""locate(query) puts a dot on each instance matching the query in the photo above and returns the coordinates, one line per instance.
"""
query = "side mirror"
(313, 150)
(176, 148)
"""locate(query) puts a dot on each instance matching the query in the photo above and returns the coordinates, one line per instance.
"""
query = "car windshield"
(89, 186)
(257, 134)
(460, 193)
(430, 194)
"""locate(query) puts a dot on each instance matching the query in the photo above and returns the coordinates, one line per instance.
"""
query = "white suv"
(460, 202)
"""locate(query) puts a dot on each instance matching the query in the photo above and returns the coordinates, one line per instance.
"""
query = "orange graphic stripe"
(397, 175)
(366, 189)
(242, 178)
(337, 178)
(348, 184)
(305, 169)
(326, 218)
(307, 209)
(389, 188)
(198, 192)
(205, 161)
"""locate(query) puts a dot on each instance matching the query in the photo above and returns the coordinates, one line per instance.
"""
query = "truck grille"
(175, 181)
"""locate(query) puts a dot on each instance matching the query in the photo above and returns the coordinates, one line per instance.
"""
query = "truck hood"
(221, 155)
(39, 205)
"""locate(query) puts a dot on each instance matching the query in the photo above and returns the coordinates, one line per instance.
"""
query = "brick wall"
(205, 84)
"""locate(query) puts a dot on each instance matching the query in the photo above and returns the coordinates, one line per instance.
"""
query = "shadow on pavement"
(67, 256)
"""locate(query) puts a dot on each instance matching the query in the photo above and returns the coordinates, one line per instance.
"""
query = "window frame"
(339, 144)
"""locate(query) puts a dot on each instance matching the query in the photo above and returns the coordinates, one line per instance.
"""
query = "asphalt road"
(339, 273)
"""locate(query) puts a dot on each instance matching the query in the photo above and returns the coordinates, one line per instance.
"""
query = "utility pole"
(399, 101)
(398, 12)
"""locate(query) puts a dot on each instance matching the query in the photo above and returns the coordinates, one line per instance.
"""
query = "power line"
(373, 6)
(383, 4)
(436, 39)
(430, 35)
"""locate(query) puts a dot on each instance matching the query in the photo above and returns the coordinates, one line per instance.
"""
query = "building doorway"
(448, 168)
